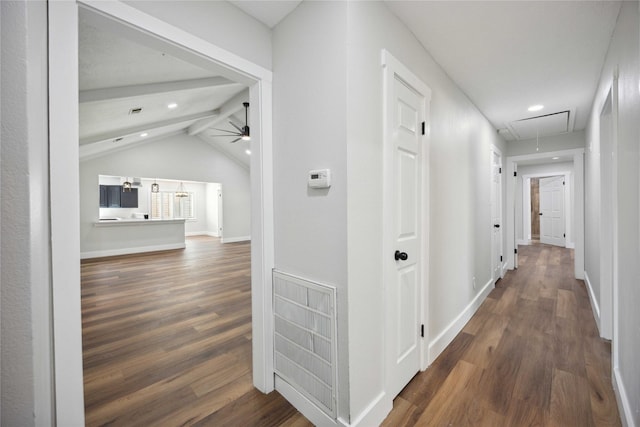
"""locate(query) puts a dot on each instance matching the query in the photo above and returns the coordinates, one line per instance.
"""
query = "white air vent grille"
(305, 338)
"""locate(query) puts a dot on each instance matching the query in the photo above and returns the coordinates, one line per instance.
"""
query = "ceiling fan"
(242, 132)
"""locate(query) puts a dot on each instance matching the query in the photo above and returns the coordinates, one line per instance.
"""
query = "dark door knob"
(496, 225)
(401, 256)
(540, 214)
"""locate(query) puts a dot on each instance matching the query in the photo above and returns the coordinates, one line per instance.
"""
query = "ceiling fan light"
(246, 138)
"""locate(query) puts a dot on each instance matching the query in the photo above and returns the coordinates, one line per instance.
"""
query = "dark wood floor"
(530, 356)
(167, 335)
(167, 340)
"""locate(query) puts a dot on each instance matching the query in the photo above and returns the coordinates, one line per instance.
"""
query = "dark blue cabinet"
(112, 196)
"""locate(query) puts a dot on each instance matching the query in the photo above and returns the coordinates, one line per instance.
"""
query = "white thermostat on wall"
(320, 178)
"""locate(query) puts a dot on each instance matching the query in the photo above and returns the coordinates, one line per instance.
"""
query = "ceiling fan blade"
(236, 140)
(225, 130)
(235, 126)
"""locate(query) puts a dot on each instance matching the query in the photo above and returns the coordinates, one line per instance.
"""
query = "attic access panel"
(540, 126)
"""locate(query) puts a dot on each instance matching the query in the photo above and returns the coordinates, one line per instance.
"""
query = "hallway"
(531, 355)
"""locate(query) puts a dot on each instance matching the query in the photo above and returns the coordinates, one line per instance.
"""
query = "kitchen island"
(117, 236)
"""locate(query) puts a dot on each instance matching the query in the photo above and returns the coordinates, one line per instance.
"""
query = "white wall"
(218, 22)
(566, 141)
(309, 132)
(623, 55)
(25, 337)
(549, 169)
(314, 60)
(178, 157)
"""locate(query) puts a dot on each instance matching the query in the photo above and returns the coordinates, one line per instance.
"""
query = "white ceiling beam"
(118, 133)
(229, 108)
(112, 93)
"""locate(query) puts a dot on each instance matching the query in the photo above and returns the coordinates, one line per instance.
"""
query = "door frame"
(526, 206)
(66, 353)
(495, 150)
(392, 67)
(577, 155)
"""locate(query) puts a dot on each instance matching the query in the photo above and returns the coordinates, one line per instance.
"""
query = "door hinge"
(562, 182)
(515, 173)
(499, 170)
(500, 258)
(422, 331)
(423, 127)
(564, 234)
(515, 251)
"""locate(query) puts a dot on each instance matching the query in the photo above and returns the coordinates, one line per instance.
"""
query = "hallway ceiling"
(509, 55)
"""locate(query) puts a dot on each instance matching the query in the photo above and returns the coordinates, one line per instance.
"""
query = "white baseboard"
(127, 251)
(504, 270)
(200, 233)
(523, 242)
(235, 239)
(624, 406)
(374, 414)
(304, 405)
(445, 337)
(570, 245)
(594, 302)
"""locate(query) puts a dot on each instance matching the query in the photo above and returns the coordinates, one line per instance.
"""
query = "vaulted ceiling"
(131, 94)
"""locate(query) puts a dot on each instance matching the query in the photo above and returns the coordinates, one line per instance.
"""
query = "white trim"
(523, 242)
(65, 234)
(445, 337)
(374, 414)
(624, 405)
(68, 393)
(570, 245)
(594, 302)
(133, 250)
(235, 239)
(504, 268)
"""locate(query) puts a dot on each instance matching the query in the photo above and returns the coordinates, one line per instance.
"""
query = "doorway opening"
(64, 137)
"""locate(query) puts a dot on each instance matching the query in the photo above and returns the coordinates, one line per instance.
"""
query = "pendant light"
(126, 185)
(180, 192)
(155, 188)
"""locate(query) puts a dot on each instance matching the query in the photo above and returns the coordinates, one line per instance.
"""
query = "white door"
(404, 140)
(552, 210)
(496, 214)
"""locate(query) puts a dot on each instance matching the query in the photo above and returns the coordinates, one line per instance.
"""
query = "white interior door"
(496, 214)
(405, 115)
(552, 211)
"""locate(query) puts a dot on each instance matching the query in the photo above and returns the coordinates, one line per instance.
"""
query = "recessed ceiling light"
(143, 134)
(248, 152)
(537, 107)
(172, 105)
(555, 158)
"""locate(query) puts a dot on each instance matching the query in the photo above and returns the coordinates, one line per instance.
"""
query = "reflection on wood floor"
(167, 335)
(530, 356)
(167, 340)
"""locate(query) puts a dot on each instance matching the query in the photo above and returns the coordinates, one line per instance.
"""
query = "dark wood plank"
(166, 340)
(530, 356)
